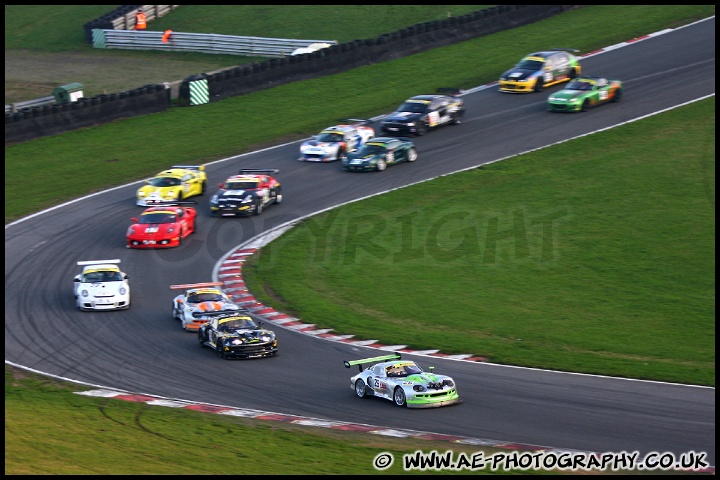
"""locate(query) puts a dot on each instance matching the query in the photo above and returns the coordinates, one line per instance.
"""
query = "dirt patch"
(30, 75)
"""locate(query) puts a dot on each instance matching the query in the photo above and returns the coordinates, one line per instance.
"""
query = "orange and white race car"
(197, 300)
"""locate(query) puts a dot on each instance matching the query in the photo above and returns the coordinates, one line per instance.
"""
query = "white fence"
(200, 43)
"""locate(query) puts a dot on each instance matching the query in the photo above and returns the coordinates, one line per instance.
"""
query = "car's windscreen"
(165, 182)
(95, 277)
(582, 86)
(230, 325)
(371, 149)
(204, 297)
(241, 185)
(412, 107)
(152, 217)
(529, 65)
(330, 137)
(402, 370)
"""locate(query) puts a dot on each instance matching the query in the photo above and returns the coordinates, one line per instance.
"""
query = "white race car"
(197, 300)
(101, 286)
(334, 143)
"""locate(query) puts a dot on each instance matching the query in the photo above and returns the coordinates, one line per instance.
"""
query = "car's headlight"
(131, 231)
(122, 291)
(419, 388)
(140, 193)
(84, 293)
(236, 341)
(170, 194)
(448, 382)
(266, 337)
(553, 99)
(247, 199)
(214, 198)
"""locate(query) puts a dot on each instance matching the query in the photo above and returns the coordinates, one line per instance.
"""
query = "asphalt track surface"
(144, 350)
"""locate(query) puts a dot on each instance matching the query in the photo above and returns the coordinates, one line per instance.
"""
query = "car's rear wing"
(190, 167)
(362, 361)
(451, 91)
(356, 121)
(172, 203)
(573, 50)
(215, 313)
(187, 286)
(98, 262)
(245, 171)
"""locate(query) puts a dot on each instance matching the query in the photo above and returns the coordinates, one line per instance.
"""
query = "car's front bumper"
(516, 87)
(105, 303)
(251, 351)
(152, 242)
(318, 158)
(433, 399)
(564, 107)
(398, 129)
(232, 211)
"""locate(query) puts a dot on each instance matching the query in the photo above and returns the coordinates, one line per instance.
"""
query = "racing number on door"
(603, 95)
(390, 157)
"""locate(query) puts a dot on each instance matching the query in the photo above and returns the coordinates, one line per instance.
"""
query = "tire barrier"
(86, 112)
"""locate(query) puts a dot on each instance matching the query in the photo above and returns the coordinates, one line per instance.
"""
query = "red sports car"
(161, 227)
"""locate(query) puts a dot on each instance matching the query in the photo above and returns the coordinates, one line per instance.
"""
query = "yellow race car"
(175, 184)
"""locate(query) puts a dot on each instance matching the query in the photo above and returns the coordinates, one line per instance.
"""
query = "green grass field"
(624, 286)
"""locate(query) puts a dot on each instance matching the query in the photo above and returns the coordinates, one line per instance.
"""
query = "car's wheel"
(201, 339)
(585, 106)
(180, 237)
(412, 155)
(399, 397)
(203, 188)
(618, 95)
(455, 119)
(259, 207)
(381, 165)
(360, 388)
(278, 196)
(219, 350)
(180, 196)
(539, 84)
(421, 129)
(341, 155)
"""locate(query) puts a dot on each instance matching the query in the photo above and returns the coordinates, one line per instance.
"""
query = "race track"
(145, 350)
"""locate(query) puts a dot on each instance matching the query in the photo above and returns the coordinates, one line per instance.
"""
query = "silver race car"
(403, 382)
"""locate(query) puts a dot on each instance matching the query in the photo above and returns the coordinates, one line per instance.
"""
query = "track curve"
(144, 349)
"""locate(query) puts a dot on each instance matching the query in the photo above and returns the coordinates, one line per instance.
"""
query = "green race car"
(585, 92)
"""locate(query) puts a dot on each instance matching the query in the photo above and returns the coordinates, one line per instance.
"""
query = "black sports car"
(234, 334)
(421, 112)
(247, 194)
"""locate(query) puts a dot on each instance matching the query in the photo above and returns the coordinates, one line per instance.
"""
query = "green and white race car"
(403, 382)
(585, 92)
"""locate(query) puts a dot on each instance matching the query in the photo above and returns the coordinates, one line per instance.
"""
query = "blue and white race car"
(335, 142)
